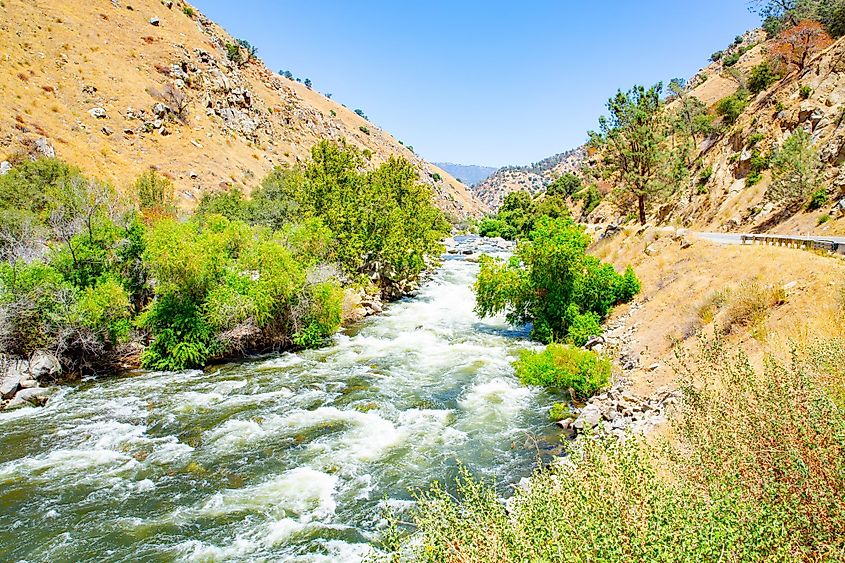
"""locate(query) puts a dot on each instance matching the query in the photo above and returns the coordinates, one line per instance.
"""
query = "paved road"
(734, 238)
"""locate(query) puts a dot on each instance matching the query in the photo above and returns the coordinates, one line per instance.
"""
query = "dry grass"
(750, 304)
(689, 290)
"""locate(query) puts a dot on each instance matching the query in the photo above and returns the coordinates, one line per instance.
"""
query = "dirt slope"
(83, 80)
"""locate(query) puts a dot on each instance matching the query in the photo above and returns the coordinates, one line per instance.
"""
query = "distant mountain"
(532, 178)
(469, 174)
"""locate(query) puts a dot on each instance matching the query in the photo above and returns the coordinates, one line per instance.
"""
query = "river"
(285, 457)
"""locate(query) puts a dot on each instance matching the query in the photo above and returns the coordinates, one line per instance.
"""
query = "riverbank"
(288, 456)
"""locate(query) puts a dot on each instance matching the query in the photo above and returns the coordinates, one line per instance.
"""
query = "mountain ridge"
(176, 101)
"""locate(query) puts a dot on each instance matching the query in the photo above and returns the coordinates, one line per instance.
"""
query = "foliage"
(250, 51)
(591, 196)
(155, 196)
(799, 43)
(567, 184)
(564, 367)
(551, 283)
(795, 170)
(731, 107)
(632, 140)
(233, 53)
(758, 163)
(762, 76)
(384, 222)
(805, 91)
(756, 472)
(817, 199)
(519, 212)
(559, 411)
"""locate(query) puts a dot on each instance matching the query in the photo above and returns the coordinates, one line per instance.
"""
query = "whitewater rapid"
(289, 457)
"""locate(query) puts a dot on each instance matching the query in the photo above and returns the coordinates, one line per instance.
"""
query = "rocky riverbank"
(26, 382)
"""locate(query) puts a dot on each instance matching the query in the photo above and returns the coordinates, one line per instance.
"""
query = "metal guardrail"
(795, 242)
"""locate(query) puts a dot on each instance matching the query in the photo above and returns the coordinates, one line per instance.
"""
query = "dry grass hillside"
(762, 299)
(118, 86)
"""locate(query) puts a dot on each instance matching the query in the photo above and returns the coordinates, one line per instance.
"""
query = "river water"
(289, 457)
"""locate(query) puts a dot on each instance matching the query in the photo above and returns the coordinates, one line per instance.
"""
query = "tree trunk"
(641, 204)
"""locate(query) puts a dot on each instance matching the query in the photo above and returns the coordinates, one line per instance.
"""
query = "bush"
(233, 53)
(817, 199)
(751, 303)
(566, 368)
(550, 281)
(705, 174)
(762, 76)
(824, 218)
(188, 11)
(716, 56)
(805, 92)
(731, 107)
(755, 471)
(559, 411)
(567, 184)
(364, 130)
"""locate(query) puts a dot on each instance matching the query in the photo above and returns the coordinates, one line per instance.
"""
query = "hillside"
(116, 88)
(531, 178)
(724, 191)
(469, 174)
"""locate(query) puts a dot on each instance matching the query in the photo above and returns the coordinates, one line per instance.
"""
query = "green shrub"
(567, 184)
(762, 76)
(188, 11)
(559, 411)
(805, 92)
(591, 196)
(716, 56)
(731, 107)
(550, 281)
(364, 130)
(565, 368)
(705, 174)
(817, 199)
(233, 53)
(824, 218)
(324, 304)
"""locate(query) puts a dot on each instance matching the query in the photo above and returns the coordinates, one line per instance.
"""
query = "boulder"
(155, 21)
(43, 146)
(98, 113)
(10, 383)
(5, 166)
(35, 396)
(590, 416)
(44, 365)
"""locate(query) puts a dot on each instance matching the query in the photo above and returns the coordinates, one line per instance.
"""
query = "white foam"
(498, 398)
(301, 491)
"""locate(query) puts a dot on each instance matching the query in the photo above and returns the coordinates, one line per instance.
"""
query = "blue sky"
(476, 82)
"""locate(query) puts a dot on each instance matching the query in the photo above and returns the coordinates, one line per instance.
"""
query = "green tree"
(566, 184)
(551, 283)
(795, 170)
(631, 140)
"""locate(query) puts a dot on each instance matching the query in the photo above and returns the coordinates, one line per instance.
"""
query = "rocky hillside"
(116, 87)
(725, 192)
(532, 178)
